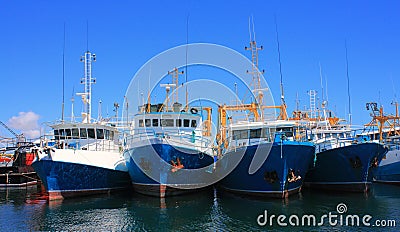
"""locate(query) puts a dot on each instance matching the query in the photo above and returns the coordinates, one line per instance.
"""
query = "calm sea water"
(26, 210)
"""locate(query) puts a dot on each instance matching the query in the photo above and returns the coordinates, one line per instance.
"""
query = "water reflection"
(26, 209)
(183, 213)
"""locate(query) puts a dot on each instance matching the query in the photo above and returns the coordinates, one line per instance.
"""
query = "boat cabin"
(167, 121)
(85, 136)
(329, 134)
(252, 133)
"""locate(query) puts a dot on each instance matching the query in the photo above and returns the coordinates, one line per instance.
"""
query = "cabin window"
(68, 133)
(167, 122)
(327, 136)
(255, 133)
(147, 122)
(56, 135)
(141, 123)
(240, 134)
(75, 133)
(186, 122)
(100, 133)
(61, 133)
(178, 122)
(194, 123)
(91, 133)
(83, 133)
(106, 134)
(287, 131)
(155, 122)
(111, 135)
(372, 137)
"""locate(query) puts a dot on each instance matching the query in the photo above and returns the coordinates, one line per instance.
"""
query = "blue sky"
(126, 34)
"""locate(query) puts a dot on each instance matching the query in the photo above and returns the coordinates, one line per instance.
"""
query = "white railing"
(71, 142)
(173, 135)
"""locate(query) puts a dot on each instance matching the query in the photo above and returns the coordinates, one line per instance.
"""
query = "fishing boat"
(81, 158)
(166, 143)
(385, 129)
(273, 160)
(343, 163)
(15, 161)
(15, 169)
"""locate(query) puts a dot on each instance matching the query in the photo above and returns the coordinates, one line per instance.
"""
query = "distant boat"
(15, 168)
(167, 141)
(15, 161)
(342, 162)
(389, 169)
(81, 158)
(386, 129)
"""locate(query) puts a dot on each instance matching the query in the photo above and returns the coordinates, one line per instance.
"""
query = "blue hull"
(273, 177)
(389, 173)
(63, 180)
(138, 160)
(348, 168)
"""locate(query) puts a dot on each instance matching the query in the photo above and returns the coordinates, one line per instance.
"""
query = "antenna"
(251, 38)
(322, 86)
(72, 105)
(116, 106)
(280, 63)
(87, 35)
(127, 111)
(186, 78)
(63, 79)
(394, 89)
(148, 104)
(99, 117)
(236, 92)
(254, 31)
(348, 81)
(326, 87)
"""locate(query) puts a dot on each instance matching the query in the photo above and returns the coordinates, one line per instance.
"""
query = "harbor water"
(27, 209)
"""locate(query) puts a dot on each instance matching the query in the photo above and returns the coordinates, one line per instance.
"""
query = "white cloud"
(27, 123)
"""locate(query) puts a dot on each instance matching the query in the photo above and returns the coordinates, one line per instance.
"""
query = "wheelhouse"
(85, 136)
(245, 133)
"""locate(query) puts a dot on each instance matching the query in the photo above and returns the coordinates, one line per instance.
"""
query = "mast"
(186, 73)
(175, 80)
(313, 111)
(72, 106)
(348, 83)
(87, 81)
(283, 113)
(63, 79)
(256, 81)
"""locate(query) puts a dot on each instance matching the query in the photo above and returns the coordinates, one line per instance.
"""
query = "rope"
(30, 177)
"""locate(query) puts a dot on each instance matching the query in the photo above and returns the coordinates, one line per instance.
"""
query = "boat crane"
(383, 121)
(19, 137)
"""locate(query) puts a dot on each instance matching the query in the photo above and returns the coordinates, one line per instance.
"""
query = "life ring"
(194, 111)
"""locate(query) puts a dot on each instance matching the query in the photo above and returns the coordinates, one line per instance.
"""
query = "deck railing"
(173, 135)
(71, 142)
